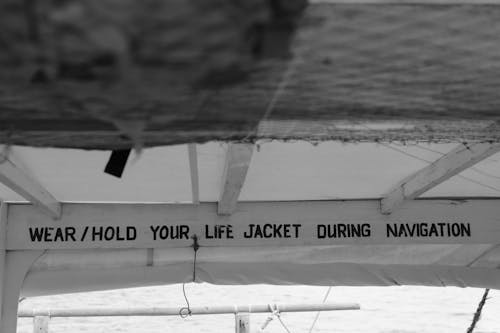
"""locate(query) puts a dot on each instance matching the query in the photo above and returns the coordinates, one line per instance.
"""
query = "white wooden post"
(13, 268)
(3, 241)
(41, 324)
(242, 322)
(17, 264)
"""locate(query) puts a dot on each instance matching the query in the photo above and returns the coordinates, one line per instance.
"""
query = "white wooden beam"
(449, 165)
(238, 159)
(3, 253)
(193, 167)
(255, 224)
(26, 186)
(13, 268)
(16, 266)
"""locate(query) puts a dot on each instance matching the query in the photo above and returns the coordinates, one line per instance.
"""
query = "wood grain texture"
(238, 158)
(151, 74)
(94, 223)
(26, 186)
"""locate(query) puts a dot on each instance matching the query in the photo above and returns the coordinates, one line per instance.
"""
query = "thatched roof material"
(108, 74)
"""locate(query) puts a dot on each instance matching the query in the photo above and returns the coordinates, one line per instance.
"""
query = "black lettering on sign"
(269, 230)
(97, 233)
(163, 232)
(52, 234)
(109, 234)
(343, 230)
(47, 236)
(84, 234)
(423, 230)
(36, 234)
(131, 233)
(219, 231)
(296, 228)
(113, 233)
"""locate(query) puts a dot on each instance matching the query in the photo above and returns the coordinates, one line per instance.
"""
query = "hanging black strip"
(117, 161)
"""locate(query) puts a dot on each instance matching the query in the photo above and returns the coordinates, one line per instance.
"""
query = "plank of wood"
(255, 224)
(193, 167)
(17, 264)
(26, 186)
(447, 166)
(3, 245)
(238, 157)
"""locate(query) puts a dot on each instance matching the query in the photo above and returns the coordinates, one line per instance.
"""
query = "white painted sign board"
(84, 226)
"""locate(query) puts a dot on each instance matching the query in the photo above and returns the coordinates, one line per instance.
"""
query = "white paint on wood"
(238, 159)
(90, 223)
(41, 324)
(193, 167)
(449, 165)
(3, 237)
(242, 322)
(25, 185)
(17, 264)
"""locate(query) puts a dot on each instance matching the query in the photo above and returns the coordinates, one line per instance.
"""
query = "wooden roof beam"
(193, 167)
(238, 159)
(26, 186)
(462, 157)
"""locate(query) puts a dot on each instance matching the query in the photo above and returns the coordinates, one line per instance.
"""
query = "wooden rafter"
(235, 170)
(449, 165)
(193, 167)
(26, 186)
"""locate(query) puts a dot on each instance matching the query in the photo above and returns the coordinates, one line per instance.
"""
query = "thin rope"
(283, 324)
(477, 314)
(274, 312)
(277, 314)
(185, 312)
(319, 312)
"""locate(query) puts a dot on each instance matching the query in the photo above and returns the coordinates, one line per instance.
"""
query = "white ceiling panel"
(278, 171)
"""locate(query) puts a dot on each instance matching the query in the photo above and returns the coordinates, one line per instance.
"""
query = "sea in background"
(383, 309)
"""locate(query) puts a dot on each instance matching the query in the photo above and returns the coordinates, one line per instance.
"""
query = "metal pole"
(202, 310)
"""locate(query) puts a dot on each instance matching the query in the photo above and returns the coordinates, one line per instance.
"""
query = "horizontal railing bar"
(200, 310)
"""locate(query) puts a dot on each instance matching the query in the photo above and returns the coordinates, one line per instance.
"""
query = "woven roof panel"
(351, 63)
(408, 61)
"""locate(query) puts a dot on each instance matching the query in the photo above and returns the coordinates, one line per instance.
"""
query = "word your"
(170, 231)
